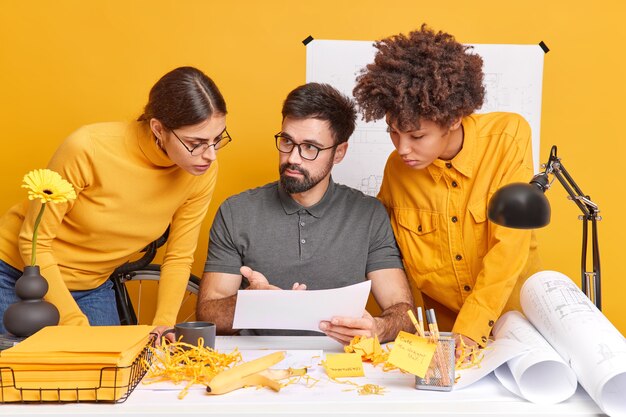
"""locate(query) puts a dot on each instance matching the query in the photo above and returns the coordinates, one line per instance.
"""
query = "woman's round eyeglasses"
(223, 140)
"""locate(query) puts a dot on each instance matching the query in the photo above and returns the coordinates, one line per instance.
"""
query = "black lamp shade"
(519, 206)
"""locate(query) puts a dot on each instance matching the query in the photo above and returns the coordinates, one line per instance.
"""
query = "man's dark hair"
(322, 102)
(423, 75)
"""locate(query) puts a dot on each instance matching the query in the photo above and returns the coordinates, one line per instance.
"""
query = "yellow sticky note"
(340, 365)
(412, 353)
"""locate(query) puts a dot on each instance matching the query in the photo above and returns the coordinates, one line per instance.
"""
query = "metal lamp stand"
(590, 280)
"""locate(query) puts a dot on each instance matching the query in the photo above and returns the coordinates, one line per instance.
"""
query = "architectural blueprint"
(581, 334)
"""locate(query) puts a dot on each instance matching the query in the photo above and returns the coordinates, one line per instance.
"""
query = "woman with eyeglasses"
(132, 180)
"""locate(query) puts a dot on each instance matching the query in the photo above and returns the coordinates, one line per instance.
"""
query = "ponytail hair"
(183, 97)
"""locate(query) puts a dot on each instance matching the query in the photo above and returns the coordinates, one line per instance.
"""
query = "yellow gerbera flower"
(48, 186)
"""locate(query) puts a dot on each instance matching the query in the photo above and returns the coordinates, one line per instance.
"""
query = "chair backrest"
(125, 307)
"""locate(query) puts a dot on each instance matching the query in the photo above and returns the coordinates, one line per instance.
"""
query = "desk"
(485, 397)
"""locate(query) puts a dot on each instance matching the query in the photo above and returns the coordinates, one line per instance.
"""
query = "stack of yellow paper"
(72, 363)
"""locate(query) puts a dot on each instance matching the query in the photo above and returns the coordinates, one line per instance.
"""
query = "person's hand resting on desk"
(465, 347)
(158, 330)
(258, 281)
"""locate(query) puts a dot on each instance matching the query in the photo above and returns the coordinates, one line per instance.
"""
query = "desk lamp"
(524, 206)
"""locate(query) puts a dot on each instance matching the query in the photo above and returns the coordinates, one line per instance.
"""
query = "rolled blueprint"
(582, 335)
(539, 375)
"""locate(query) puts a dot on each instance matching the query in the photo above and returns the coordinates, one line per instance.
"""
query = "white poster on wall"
(513, 77)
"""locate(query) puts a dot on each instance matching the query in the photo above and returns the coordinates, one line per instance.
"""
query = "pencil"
(431, 329)
(420, 332)
(420, 317)
(434, 321)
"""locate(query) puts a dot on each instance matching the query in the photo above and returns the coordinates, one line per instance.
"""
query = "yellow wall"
(66, 63)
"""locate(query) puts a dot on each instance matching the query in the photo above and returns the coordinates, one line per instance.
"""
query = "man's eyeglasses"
(306, 150)
(223, 140)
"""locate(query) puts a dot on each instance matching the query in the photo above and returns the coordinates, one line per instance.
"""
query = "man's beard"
(293, 185)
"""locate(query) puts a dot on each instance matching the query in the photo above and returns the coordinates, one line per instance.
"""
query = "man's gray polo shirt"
(332, 244)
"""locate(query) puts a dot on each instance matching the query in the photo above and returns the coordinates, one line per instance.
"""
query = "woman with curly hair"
(447, 163)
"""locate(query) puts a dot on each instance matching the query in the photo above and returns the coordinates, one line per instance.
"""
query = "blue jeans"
(98, 304)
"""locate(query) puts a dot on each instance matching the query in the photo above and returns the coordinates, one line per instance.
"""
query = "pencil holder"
(440, 374)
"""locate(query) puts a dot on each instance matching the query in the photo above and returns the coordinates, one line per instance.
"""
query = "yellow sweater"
(439, 215)
(128, 191)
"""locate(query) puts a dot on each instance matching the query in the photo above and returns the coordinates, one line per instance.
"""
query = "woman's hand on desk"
(258, 281)
(158, 330)
(466, 348)
(343, 329)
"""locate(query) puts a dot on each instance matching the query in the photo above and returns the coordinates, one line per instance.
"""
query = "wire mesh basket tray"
(441, 372)
(98, 385)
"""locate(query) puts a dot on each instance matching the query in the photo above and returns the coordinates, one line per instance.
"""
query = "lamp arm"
(584, 203)
(590, 281)
(587, 207)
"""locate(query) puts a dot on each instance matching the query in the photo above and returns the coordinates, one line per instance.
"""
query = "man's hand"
(258, 281)
(343, 329)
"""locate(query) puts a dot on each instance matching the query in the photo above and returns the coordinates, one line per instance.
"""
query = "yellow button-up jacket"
(451, 252)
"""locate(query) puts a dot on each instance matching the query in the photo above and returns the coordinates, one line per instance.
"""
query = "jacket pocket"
(419, 239)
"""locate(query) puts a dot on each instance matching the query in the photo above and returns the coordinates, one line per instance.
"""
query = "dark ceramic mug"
(191, 331)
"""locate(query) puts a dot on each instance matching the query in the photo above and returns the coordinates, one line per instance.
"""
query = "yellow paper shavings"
(300, 375)
(371, 389)
(365, 389)
(291, 375)
(370, 351)
(470, 356)
(369, 348)
(179, 361)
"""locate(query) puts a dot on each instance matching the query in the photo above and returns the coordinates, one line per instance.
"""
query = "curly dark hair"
(422, 75)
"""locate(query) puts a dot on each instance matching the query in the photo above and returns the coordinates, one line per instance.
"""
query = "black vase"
(32, 314)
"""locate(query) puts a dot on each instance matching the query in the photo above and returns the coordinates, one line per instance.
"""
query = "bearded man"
(305, 231)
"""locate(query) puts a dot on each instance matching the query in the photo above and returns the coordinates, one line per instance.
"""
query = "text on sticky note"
(339, 365)
(412, 353)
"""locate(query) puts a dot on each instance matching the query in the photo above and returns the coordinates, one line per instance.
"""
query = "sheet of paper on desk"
(298, 310)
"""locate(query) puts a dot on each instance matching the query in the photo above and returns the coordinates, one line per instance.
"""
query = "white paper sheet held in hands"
(298, 310)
